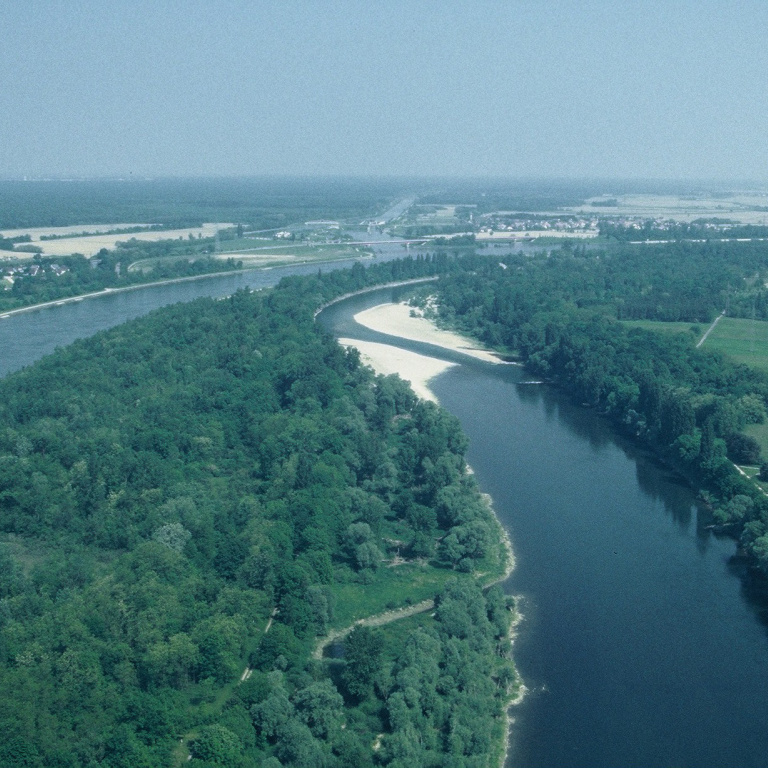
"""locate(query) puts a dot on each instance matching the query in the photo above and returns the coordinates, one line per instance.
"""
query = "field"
(745, 341)
(746, 207)
(268, 256)
(90, 245)
(71, 231)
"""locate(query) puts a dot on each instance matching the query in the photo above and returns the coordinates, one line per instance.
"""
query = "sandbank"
(416, 369)
(396, 320)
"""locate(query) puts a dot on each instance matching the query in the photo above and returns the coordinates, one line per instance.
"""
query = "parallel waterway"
(641, 645)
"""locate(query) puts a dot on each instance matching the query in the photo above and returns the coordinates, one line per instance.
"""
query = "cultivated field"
(78, 229)
(744, 207)
(745, 341)
(90, 245)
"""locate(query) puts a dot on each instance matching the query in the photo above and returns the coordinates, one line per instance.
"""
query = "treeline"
(559, 314)
(694, 230)
(195, 494)
(683, 282)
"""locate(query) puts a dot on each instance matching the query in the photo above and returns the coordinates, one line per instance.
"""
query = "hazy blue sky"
(519, 88)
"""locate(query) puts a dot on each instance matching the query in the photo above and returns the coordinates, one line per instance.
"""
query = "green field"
(655, 325)
(745, 341)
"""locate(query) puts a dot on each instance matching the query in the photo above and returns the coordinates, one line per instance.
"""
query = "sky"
(655, 89)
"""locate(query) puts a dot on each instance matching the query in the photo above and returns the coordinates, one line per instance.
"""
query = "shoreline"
(121, 289)
(169, 281)
(396, 320)
(406, 322)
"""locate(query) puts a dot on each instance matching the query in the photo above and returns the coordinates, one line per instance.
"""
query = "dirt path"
(710, 329)
(377, 620)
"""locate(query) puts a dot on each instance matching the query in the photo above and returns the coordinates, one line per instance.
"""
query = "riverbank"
(399, 320)
(405, 322)
(122, 289)
(418, 370)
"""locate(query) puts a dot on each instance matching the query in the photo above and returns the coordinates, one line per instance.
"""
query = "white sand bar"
(416, 369)
(396, 320)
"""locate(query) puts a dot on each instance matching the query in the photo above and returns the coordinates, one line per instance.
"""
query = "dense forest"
(562, 314)
(188, 501)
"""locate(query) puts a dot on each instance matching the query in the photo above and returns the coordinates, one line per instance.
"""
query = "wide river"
(642, 643)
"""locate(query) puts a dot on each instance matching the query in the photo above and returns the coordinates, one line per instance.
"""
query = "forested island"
(188, 502)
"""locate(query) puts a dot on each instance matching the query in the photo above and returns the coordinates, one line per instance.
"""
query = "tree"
(218, 745)
(172, 535)
(361, 544)
(320, 707)
(362, 656)
(743, 449)
(272, 713)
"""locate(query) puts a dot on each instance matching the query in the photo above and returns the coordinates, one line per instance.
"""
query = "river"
(641, 643)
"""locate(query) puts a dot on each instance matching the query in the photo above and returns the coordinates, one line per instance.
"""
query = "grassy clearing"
(657, 326)
(391, 588)
(407, 584)
(745, 341)
(760, 433)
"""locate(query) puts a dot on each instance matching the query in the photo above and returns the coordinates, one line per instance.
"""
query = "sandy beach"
(416, 369)
(396, 320)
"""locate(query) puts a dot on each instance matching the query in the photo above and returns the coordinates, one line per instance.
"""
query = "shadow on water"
(656, 480)
(754, 586)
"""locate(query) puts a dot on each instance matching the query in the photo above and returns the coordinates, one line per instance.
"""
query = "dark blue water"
(641, 645)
